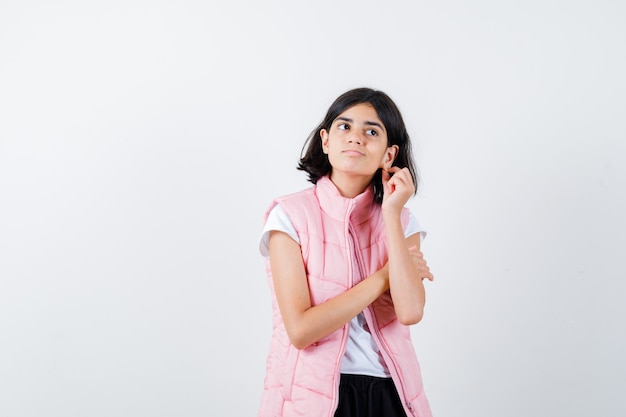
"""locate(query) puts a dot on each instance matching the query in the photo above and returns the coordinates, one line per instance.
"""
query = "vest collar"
(358, 209)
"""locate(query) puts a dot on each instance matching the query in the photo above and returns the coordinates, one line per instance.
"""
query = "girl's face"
(356, 143)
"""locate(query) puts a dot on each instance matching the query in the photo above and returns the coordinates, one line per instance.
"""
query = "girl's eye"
(343, 126)
(372, 132)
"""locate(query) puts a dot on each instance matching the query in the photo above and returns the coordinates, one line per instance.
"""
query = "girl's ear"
(324, 138)
(389, 156)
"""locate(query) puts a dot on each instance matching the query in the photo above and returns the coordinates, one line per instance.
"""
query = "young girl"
(344, 265)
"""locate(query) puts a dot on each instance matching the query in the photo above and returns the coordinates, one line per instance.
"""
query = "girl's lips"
(352, 152)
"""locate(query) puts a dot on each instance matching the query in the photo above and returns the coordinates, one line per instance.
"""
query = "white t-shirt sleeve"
(276, 220)
(413, 227)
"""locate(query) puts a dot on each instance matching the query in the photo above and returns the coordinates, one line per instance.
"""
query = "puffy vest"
(332, 230)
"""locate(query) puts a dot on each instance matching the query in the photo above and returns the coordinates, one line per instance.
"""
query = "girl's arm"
(407, 267)
(306, 324)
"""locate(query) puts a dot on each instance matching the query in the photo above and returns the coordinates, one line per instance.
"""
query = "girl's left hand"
(397, 189)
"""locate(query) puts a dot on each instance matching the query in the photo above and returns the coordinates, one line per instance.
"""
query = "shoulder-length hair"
(315, 162)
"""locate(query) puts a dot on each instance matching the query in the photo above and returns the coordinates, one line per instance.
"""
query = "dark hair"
(315, 162)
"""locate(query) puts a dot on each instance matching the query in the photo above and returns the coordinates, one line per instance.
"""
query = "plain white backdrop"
(141, 141)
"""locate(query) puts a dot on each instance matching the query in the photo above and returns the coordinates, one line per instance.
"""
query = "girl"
(345, 270)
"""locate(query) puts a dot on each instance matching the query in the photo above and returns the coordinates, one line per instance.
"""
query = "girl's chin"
(351, 172)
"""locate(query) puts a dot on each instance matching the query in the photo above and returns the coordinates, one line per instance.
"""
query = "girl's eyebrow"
(367, 122)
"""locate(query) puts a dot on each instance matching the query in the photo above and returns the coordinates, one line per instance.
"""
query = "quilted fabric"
(305, 382)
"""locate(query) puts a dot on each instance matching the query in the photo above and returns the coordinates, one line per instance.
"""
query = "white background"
(141, 141)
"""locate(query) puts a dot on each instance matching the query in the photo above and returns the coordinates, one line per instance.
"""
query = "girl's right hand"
(423, 270)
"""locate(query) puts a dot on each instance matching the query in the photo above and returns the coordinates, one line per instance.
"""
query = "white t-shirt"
(362, 356)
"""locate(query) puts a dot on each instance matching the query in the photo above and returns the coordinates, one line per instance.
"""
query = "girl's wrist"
(382, 276)
(391, 214)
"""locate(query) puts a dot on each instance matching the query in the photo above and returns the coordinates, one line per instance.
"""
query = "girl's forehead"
(359, 111)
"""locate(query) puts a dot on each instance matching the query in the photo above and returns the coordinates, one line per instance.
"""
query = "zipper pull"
(409, 407)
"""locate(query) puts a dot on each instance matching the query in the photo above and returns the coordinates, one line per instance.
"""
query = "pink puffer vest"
(305, 382)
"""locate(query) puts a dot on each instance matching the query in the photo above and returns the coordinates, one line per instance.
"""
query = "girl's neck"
(350, 186)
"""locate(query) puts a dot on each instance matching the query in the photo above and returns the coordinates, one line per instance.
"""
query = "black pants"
(368, 396)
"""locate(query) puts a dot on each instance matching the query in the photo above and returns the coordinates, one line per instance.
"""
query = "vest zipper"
(390, 361)
(382, 345)
(351, 248)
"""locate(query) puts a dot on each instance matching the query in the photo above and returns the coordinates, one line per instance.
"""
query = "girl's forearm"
(406, 287)
(321, 320)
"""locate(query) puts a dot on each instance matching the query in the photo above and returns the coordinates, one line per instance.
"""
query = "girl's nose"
(355, 138)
